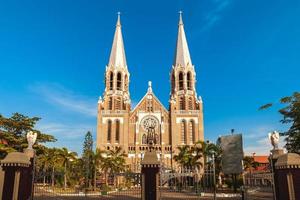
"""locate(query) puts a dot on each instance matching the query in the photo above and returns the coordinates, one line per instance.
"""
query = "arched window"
(192, 131)
(110, 103)
(181, 103)
(144, 139)
(111, 81)
(109, 131)
(156, 139)
(189, 81)
(117, 131)
(180, 81)
(119, 81)
(118, 103)
(190, 103)
(173, 82)
(183, 132)
(126, 82)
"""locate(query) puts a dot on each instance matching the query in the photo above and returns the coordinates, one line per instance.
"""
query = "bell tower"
(116, 95)
(114, 108)
(185, 106)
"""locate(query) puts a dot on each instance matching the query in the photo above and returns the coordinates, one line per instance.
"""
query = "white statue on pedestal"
(274, 139)
(31, 138)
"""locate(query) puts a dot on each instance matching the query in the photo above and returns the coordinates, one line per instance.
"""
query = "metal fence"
(258, 185)
(51, 186)
(187, 184)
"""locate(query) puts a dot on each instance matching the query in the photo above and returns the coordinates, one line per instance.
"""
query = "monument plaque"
(232, 156)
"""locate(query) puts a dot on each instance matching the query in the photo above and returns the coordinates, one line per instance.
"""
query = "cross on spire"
(149, 86)
(119, 19)
(180, 18)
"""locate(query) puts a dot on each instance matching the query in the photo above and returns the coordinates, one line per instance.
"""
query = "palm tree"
(105, 167)
(48, 162)
(98, 158)
(116, 160)
(66, 158)
(197, 154)
(208, 149)
(184, 156)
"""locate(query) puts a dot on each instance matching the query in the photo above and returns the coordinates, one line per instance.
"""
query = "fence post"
(150, 176)
(15, 166)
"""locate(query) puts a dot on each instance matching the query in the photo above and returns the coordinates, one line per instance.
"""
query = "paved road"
(135, 195)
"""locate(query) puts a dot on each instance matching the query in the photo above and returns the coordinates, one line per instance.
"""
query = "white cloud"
(259, 132)
(65, 131)
(262, 146)
(215, 14)
(66, 99)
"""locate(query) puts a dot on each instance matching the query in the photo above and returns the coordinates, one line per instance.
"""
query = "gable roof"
(149, 91)
(261, 159)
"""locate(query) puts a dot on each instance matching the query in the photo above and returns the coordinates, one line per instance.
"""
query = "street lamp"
(212, 151)
(214, 173)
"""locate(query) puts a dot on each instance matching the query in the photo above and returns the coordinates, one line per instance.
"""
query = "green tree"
(105, 167)
(98, 158)
(13, 133)
(48, 162)
(87, 156)
(66, 157)
(183, 157)
(291, 116)
(249, 163)
(116, 161)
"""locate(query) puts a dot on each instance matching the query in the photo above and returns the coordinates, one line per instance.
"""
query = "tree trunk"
(44, 180)
(65, 176)
(52, 177)
(44, 177)
(95, 178)
(106, 181)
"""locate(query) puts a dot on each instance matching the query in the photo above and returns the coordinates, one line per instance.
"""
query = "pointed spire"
(117, 55)
(182, 54)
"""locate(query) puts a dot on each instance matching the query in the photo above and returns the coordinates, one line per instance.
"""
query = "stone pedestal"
(276, 153)
(287, 174)
(150, 176)
(29, 174)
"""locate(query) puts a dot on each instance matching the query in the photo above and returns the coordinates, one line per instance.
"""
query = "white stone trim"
(140, 155)
(136, 127)
(131, 155)
(141, 116)
(162, 127)
(167, 156)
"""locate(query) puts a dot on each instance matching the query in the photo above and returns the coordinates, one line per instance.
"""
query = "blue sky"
(53, 56)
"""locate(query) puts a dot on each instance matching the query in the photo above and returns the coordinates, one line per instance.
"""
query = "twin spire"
(118, 59)
(182, 53)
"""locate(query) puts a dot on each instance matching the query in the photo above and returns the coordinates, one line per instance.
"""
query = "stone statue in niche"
(150, 136)
(144, 139)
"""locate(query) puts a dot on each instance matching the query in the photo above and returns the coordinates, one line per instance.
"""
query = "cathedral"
(120, 125)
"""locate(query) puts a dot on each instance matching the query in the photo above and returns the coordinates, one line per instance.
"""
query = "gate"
(48, 185)
(189, 184)
(258, 185)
